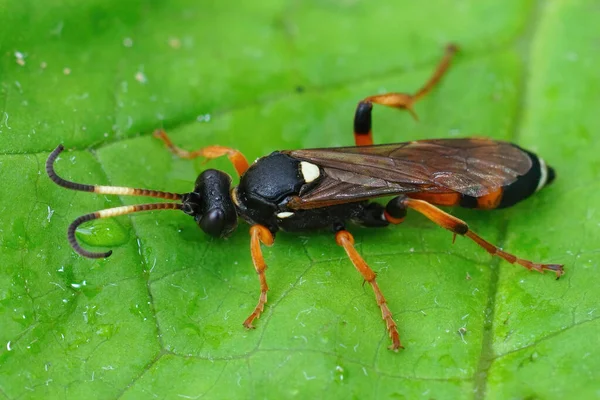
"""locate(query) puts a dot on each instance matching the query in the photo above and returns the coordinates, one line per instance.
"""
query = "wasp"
(328, 188)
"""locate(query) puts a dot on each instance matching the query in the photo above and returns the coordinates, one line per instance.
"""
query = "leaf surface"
(162, 316)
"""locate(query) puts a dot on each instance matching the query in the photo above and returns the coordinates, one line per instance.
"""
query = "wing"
(473, 167)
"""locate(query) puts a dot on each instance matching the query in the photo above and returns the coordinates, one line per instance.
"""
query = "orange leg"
(460, 227)
(363, 135)
(345, 239)
(235, 156)
(259, 234)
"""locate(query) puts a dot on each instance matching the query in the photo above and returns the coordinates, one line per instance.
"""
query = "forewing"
(474, 167)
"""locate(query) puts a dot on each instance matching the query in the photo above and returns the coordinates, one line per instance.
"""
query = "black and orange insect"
(298, 190)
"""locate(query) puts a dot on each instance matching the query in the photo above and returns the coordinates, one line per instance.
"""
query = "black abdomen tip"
(551, 175)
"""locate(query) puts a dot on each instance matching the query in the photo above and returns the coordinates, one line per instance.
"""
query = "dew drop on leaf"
(103, 233)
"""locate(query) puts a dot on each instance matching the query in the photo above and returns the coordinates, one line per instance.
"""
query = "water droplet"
(103, 233)
(339, 374)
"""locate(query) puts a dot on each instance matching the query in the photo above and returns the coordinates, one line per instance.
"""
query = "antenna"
(109, 212)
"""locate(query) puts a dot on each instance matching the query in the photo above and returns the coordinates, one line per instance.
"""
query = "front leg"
(210, 152)
(259, 234)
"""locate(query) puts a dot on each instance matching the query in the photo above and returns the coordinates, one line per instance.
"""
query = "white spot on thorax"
(285, 214)
(310, 172)
(543, 174)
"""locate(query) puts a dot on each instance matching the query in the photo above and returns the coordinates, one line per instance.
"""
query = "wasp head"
(210, 203)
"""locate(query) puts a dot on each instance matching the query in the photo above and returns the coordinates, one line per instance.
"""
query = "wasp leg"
(235, 156)
(345, 239)
(259, 234)
(395, 210)
(374, 215)
(371, 216)
(459, 227)
(363, 135)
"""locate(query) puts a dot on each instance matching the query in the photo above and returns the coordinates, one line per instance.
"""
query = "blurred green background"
(162, 316)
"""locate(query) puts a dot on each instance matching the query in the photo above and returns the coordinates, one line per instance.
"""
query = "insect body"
(328, 188)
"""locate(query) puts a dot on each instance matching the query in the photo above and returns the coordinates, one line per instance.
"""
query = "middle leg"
(345, 239)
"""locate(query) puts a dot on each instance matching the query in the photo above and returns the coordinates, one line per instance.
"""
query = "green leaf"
(162, 316)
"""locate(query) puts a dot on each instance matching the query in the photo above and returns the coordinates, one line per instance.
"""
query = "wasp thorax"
(210, 203)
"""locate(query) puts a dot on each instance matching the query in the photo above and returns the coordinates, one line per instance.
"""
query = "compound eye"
(213, 222)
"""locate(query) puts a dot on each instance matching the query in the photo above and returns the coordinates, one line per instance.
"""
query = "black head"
(210, 203)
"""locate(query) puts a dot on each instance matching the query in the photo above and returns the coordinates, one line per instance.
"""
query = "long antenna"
(118, 190)
(110, 212)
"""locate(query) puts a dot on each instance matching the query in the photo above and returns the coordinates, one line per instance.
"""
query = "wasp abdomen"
(538, 176)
